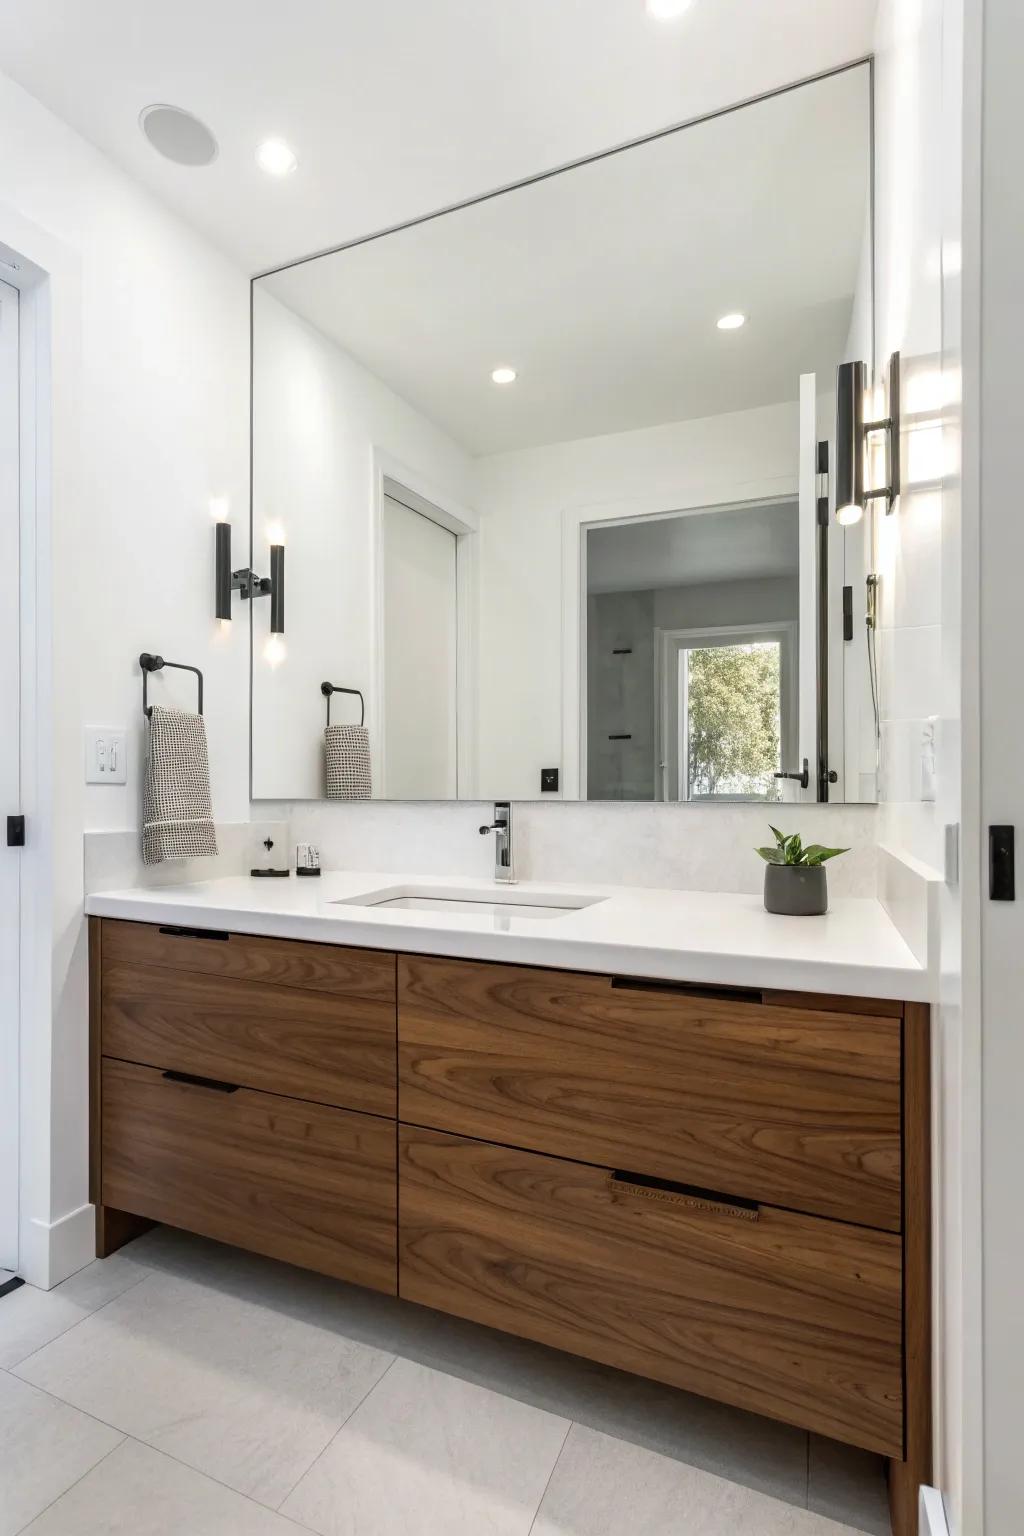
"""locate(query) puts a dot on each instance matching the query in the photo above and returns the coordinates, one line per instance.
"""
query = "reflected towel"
(347, 762)
(177, 817)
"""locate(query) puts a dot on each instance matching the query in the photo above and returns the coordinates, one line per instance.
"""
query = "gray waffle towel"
(176, 811)
(347, 762)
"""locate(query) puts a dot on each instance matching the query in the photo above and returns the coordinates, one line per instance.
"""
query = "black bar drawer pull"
(173, 932)
(193, 1081)
(641, 1186)
(687, 989)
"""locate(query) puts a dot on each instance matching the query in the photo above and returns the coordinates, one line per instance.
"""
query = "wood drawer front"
(792, 1316)
(300, 1182)
(310, 1045)
(365, 973)
(788, 1106)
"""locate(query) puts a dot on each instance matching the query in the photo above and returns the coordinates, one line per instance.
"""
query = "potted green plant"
(794, 881)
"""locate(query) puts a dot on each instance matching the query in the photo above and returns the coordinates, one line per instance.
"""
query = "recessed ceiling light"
(177, 135)
(732, 322)
(276, 158)
(503, 376)
(667, 10)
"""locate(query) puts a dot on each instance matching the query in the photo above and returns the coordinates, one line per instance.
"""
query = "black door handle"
(15, 831)
(803, 778)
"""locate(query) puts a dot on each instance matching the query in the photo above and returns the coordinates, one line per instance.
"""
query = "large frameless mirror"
(550, 470)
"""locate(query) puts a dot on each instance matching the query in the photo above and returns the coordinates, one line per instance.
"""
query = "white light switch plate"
(106, 756)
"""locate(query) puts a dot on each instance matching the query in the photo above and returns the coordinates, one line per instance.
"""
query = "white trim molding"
(53, 1250)
(932, 1513)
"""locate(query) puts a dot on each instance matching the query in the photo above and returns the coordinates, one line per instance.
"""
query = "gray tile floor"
(183, 1386)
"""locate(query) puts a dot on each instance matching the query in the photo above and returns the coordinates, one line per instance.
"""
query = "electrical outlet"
(106, 756)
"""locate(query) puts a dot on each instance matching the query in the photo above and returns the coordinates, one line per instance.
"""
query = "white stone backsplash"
(691, 847)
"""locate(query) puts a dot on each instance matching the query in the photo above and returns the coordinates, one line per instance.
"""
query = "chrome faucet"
(504, 855)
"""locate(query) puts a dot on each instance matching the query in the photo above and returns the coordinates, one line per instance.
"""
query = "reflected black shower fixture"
(247, 582)
(852, 433)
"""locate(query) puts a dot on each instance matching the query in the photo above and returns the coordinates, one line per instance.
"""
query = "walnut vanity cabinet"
(723, 1189)
(244, 1088)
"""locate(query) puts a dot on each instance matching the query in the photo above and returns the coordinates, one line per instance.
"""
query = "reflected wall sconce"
(852, 433)
(247, 582)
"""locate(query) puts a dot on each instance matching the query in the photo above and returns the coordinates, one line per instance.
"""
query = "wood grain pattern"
(311, 1045)
(908, 1473)
(365, 973)
(115, 1228)
(792, 1316)
(782, 1105)
(830, 1002)
(301, 1182)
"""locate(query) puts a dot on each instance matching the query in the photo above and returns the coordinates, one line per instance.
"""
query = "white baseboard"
(933, 1513)
(53, 1250)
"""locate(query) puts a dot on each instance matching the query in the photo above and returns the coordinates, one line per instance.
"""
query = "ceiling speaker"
(178, 136)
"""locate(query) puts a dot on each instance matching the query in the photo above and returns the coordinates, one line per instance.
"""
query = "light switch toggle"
(106, 756)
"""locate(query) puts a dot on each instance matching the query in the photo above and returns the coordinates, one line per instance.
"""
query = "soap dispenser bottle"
(269, 866)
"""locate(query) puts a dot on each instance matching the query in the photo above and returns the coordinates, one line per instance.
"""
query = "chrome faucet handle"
(504, 860)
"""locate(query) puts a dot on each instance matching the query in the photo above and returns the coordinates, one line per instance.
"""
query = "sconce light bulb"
(849, 515)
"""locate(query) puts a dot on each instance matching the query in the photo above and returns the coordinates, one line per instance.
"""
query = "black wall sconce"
(247, 582)
(852, 433)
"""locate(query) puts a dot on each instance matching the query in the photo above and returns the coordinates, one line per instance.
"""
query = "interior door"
(10, 775)
(420, 648)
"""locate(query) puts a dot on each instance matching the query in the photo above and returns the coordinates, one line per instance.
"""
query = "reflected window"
(730, 709)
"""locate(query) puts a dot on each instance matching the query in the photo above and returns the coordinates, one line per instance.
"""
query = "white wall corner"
(53, 1250)
(932, 1518)
(909, 890)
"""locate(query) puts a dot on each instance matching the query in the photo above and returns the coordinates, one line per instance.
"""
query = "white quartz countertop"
(704, 937)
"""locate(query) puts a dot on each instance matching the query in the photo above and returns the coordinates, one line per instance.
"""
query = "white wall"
(319, 416)
(150, 354)
(926, 575)
(522, 497)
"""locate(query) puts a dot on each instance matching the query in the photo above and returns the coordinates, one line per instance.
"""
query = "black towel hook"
(150, 663)
(328, 688)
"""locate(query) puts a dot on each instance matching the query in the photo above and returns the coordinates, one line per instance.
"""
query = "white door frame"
(10, 972)
(35, 284)
(696, 500)
(413, 490)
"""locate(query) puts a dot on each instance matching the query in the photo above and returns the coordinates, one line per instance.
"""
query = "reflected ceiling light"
(177, 135)
(503, 376)
(852, 433)
(667, 10)
(276, 158)
(732, 322)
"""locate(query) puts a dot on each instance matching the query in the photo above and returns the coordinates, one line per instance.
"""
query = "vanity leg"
(906, 1477)
(115, 1228)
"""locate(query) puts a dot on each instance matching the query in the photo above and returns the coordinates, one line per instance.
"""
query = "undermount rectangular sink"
(452, 901)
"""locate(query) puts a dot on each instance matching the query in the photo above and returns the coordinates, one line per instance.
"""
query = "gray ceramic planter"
(795, 890)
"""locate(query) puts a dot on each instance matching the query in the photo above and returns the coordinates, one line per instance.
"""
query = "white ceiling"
(602, 286)
(691, 549)
(396, 107)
